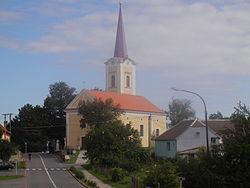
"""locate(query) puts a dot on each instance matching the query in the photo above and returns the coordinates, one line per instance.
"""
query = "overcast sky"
(202, 46)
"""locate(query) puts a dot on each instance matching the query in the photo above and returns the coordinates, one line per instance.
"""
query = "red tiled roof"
(126, 101)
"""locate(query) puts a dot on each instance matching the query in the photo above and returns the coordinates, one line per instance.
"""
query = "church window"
(113, 81)
(127, 81)
(141, 130)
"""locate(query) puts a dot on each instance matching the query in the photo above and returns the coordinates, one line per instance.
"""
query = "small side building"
(188, 136)
(6, 134)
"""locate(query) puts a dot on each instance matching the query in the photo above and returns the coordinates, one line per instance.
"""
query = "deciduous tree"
(60, 95)
(30, 126)
(217, 115)
(180, 109)
(97, 112)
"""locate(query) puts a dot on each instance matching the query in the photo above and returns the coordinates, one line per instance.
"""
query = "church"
(120, 70)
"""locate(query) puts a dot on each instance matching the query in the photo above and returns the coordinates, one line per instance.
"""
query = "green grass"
(21, 165)
(124, 183)
(9, 177)
(73, 159)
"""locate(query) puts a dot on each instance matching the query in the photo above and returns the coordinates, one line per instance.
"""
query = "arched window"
(141, 130)
(127, 81)
(113, 81)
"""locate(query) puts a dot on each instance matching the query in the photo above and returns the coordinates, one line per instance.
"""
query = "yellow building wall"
(157, 122)
(74, 132)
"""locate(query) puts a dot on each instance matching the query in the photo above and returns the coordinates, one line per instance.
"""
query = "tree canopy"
(217, 115)
(180, 109)
(110, 143)
(98, 112)
(38, 124)
(30, 126)
(163, 175)
(60, 95)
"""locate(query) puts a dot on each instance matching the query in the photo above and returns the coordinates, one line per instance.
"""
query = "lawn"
(9, 177)
(21, 165)
(124, 183)
(73, 159)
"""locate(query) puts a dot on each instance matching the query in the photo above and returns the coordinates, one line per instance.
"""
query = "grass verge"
(72, 160)
(9, 177)
(124, 183)
(21, 165)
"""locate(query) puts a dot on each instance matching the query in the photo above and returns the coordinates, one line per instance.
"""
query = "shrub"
(73, 169)
(91, 183)
(130, 166)
(79, 175)
(117, 174)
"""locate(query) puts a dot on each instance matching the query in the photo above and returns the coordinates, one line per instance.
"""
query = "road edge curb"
(78, 179)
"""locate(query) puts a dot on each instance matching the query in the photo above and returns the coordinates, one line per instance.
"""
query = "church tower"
(120, 69)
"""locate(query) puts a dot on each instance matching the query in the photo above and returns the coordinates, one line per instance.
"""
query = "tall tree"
(110, 142)
(217, 115)
(60, 95)
(180, 109)
(236, 149)
(30, 126)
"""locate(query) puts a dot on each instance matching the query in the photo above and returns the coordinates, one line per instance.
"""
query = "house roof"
(127, 102)
(189, 151)
(216, 125)
(172, 133)
(4, 129)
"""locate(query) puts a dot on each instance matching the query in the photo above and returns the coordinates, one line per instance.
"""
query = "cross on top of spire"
(120, 43)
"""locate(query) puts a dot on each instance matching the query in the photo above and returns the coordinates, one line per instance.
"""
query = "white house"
(188, 136)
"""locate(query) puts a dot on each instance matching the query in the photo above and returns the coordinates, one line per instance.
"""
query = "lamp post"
(205, 109)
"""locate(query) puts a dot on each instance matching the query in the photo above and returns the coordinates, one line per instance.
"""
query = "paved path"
(89, 176)
(80, 159)
(43, 171)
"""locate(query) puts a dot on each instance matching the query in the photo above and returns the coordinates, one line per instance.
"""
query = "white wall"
(191, 139)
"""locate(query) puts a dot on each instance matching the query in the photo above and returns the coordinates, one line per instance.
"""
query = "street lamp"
(205, 108)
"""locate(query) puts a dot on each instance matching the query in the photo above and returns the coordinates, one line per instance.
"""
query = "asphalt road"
(43, 171)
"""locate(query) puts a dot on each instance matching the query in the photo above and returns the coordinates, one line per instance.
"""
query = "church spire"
(120, 43)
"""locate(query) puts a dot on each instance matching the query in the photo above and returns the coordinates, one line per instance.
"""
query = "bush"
(130, 166)
(163, 174)
(91, 183)
(117, 174)
(87, 166)
(73, 169)
(80, 175)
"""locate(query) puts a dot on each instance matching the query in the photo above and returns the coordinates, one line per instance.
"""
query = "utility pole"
(10, 114)
(4, 124)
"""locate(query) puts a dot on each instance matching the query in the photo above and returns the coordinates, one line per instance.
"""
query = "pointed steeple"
(120, 43)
